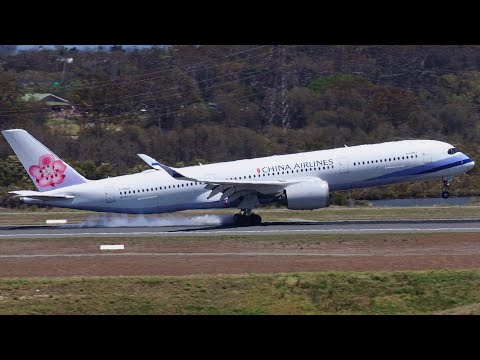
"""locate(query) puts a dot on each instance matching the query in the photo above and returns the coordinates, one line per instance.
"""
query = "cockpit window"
(453, 151)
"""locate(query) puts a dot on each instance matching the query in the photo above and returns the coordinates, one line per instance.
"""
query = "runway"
(268, 228)
(59, 251)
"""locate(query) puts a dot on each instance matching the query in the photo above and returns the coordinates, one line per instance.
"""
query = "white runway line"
(60, 221)
(112, 247)
(248, 254)
(241, 232)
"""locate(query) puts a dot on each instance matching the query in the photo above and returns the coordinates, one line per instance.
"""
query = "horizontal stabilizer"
(41, 196)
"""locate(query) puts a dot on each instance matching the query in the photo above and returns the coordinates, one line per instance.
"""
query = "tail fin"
(46, 169)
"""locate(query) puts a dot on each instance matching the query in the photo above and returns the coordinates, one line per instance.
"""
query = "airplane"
(300, 181)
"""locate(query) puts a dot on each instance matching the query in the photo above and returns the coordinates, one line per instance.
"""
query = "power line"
(148, 76)
(30, 111)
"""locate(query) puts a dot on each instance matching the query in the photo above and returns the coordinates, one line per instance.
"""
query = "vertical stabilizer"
(46, 169)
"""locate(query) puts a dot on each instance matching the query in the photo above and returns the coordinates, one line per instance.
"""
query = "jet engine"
(307, 195)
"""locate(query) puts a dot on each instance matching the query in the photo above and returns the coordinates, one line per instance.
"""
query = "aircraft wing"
(232, 189)
(41, 196)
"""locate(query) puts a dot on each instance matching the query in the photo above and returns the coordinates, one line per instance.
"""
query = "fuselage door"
(109, 194)
(342, 165)
(427, 158)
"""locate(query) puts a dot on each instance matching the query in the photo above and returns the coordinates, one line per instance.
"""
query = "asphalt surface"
(267, 228)
(62, 251)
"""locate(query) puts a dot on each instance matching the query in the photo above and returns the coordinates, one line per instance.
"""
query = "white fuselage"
(344, 168)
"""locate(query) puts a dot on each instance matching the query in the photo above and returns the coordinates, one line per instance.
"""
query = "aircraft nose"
(469, 164)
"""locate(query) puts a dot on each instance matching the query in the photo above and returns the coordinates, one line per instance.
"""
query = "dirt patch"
(83, 257)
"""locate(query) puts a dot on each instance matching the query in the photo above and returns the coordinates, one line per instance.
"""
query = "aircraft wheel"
(236, 219)
(243, 220)
(445, 194)
(256, 220)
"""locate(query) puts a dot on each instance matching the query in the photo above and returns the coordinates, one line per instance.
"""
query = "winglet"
(150, 161)
(157, 165)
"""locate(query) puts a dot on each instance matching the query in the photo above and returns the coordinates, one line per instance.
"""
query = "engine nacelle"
(307, 195)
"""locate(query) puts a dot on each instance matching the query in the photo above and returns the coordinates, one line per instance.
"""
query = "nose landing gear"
(446, 184)
(247, 218)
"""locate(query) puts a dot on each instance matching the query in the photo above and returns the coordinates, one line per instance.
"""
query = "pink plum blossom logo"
(49, 171)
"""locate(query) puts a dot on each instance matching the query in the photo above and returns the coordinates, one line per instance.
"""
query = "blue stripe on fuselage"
(447, 166)
(427, 168)
(394, 177)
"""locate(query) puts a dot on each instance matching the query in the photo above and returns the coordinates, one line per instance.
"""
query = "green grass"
(340, 213)
(422, 292)
(38, 216)
(28, 217)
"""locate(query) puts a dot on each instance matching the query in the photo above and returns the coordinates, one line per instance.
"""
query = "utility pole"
(273, 102)
(278, 113)
(284, 103)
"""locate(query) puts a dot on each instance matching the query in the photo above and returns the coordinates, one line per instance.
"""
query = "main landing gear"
(446, 184)
(247, 218)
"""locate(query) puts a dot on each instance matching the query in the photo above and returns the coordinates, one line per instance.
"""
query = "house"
(56, 102)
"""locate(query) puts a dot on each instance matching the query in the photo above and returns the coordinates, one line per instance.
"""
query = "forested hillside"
(191, 104)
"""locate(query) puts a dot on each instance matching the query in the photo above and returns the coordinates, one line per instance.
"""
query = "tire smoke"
(124, 220)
